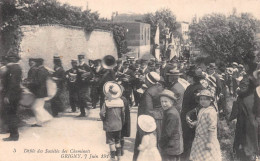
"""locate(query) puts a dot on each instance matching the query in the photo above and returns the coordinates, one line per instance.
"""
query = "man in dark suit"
(12, 94)
(127, 79)
(107, 74)
(59, 76)
(97, 76)
(71, 76)
(84, 76)
(29, 82)
(150, 105)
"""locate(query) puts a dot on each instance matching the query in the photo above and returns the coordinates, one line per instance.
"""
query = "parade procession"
(140, 87)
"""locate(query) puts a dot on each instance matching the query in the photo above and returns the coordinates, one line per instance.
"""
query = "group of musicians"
(85, 81)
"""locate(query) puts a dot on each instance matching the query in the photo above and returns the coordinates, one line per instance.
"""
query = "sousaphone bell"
(108, 62)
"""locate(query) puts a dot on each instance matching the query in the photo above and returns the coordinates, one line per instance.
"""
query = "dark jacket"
(179, 90)
(113, 118)
(31, 79)
(12, 80)
(59, 74)
(40, 81)
(126, 130)
(171, 140)
(189, 103)
(150, 101)
(106, 75)
(246, 133)
(81, 80)
(131, 77)
(71, 76)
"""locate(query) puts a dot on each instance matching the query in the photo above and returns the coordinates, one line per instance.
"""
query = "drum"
(27, 98)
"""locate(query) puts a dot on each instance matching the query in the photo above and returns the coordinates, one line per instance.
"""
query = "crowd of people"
(179, 102)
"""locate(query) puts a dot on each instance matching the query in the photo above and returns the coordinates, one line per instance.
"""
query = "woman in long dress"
(205, 146)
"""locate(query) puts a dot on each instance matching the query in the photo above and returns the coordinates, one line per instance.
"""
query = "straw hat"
(153, 77)
(114, 89)
(146, 123)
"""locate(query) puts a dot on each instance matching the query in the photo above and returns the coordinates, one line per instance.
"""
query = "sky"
(183, 9)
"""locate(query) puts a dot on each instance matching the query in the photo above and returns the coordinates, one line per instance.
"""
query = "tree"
(163, 18)
(225, 38)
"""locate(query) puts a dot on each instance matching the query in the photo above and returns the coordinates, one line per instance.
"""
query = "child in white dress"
(205, 146)
(148, 147)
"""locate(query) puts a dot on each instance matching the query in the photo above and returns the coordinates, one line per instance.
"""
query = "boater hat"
(114, 89)
(146, 123)
(153, 77)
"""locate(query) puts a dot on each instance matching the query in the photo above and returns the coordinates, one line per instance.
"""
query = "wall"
(66, 41)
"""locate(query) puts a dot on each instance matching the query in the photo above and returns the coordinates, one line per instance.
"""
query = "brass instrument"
(108, 62)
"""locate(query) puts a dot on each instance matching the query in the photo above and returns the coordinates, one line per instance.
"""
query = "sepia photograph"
(130, 80)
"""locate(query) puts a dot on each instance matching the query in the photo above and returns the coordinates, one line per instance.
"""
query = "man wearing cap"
(127, 80)
(136, 83)
(97, 76)
(71, 76)
(150, 105)
(84, 75)
(119, 66)
(58, 76)
(31, 75)
(176, 87)
(12, 94)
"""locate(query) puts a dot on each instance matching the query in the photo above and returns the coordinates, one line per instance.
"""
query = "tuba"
(108, 62)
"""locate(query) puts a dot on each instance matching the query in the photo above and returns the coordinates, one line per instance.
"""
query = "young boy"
(113, 116)
(171, 141)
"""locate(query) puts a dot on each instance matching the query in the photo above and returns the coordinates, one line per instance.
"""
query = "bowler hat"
(146, 123)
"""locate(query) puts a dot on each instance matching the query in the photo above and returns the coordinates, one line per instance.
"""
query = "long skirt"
(40, 113)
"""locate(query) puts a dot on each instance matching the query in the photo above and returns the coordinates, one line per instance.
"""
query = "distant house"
(138, 35)
(184, 30)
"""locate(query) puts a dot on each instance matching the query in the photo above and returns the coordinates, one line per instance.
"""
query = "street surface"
(59, 138)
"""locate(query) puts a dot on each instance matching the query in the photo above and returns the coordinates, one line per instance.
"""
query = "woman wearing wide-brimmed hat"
(205, 146)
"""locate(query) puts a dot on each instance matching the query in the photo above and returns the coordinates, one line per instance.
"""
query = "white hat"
(146, 123)
(153, 77)
(113, 88)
